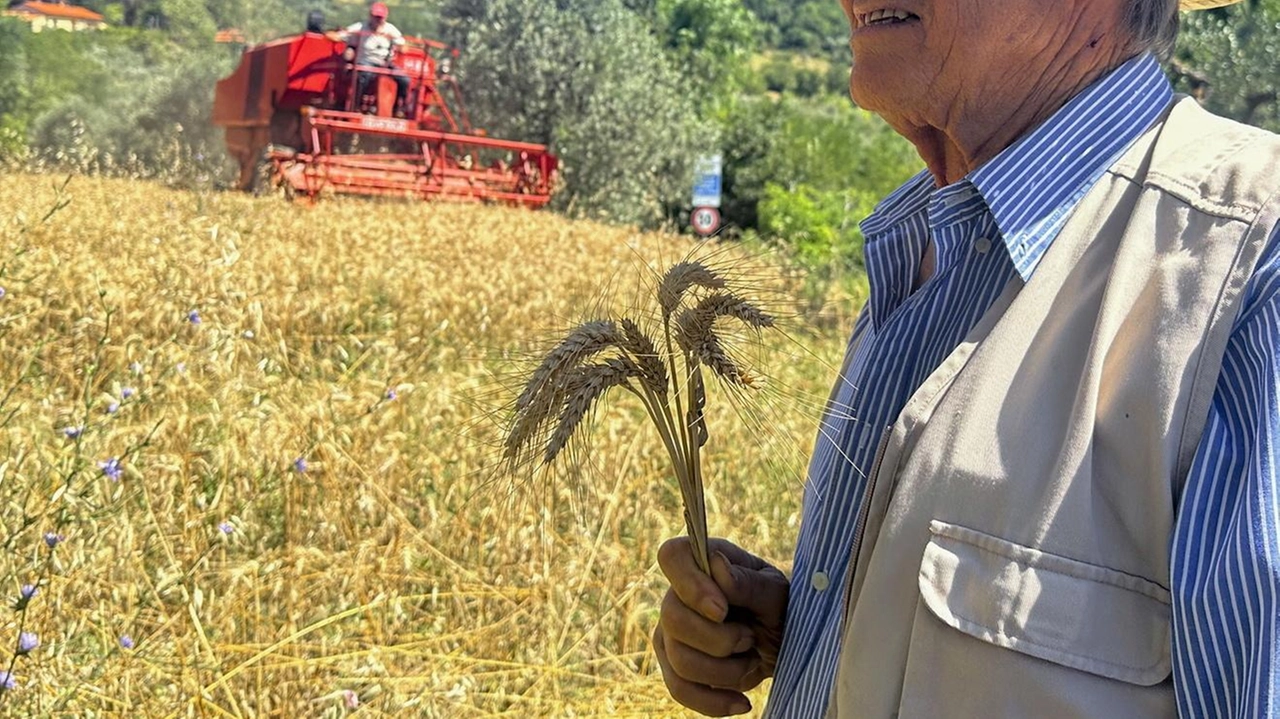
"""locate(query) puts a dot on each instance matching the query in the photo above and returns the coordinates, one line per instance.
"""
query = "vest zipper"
(860, 527)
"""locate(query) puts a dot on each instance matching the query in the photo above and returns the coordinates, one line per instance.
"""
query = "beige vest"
(1014, 557)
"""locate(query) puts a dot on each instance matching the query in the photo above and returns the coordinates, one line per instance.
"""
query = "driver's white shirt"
(375, 45)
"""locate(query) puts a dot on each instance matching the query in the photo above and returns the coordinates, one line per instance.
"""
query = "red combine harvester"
(295, 119)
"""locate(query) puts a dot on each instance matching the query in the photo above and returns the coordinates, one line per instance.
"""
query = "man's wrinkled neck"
(973, 131)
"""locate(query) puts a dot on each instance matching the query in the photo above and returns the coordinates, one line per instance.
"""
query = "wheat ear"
(680, 279)
(696, 335)
(586, 340)
(543, 394)
(582, 391)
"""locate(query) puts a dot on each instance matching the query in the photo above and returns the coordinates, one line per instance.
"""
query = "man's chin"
(868, 90)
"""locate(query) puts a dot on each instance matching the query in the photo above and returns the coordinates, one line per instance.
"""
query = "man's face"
(925, 58)
(375, 21)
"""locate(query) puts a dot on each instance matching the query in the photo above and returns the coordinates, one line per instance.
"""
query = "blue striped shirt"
(987, 229)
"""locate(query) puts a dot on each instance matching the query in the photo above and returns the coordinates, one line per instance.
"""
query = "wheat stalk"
(564, 388)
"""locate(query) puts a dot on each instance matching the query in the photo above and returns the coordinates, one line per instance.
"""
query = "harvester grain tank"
(295, 118)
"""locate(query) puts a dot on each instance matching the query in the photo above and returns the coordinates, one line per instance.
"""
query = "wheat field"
(250, 459)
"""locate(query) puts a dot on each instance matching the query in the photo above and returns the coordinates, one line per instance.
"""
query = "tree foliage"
(14, 90)
(711, 40)
(590, 79)
(1230, 59)
(816, 27)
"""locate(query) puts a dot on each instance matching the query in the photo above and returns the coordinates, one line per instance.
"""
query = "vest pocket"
(1071, 613)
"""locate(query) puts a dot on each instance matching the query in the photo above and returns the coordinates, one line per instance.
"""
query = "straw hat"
(1204, 4)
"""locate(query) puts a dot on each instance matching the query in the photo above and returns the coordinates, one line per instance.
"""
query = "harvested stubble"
(385, 568)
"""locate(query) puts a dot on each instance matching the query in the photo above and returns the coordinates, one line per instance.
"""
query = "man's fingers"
(691, 628)
(718, 672)
(698, 697)
(764, 591)
(694, 588)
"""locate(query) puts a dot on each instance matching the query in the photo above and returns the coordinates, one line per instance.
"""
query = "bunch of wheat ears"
(602, 354)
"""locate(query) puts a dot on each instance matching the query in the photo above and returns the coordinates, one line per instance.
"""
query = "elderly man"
(1047, 481)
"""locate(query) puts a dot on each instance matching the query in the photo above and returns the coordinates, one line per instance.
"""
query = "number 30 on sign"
(705, 220)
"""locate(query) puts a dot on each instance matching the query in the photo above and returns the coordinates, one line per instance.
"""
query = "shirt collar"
(1033, 185)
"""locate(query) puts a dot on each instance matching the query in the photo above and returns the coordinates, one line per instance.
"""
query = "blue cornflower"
(72, 432)
(300, 465)
(113, 408)
(194, 317)
(27, 642)
(391, 395)
(7, 682)
(112, 469)
(53, 539)
(127, 392)
(126, 641)
(136, 367)
(225, 527)
(25, 595)
(2, 293)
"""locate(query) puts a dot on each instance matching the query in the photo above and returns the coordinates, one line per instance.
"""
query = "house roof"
(54, 9)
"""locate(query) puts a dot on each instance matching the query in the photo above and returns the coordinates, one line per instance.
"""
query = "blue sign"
(708, 181)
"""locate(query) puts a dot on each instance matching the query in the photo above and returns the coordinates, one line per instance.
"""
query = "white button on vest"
(982, 245)
(820, 581)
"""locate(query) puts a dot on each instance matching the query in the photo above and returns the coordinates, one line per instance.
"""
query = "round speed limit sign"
(705, 220)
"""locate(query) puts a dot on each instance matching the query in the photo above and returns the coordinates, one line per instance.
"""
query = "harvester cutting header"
(368, 111)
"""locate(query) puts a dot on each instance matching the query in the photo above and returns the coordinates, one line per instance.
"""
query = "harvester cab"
(298, 116)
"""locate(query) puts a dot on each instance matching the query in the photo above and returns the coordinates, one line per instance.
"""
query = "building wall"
(40, 23)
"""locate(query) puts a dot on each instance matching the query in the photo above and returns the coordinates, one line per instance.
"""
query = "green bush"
(137, 119)
(809, 82)
(818, 230)
(823, 143)
(779, 75)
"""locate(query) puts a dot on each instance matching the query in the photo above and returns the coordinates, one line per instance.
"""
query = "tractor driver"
(378, 42)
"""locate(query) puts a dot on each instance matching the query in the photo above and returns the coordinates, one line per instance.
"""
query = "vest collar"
(1033, 186)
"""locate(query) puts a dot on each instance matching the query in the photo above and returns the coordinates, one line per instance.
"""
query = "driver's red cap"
(378, 9)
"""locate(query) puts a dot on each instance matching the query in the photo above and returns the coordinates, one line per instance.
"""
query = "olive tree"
(590, 79)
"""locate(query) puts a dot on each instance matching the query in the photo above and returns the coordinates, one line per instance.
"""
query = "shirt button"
(982, 245)
(820, 581)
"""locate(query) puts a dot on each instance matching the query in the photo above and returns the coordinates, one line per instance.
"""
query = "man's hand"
(718, 636)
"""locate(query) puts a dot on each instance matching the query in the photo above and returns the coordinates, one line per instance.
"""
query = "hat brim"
(1204, 4)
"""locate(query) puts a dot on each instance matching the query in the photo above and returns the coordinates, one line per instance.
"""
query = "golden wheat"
(366, 340)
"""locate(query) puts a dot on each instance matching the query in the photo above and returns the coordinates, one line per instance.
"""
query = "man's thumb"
(744, 587)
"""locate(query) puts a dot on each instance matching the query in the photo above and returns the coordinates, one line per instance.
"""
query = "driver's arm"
(397, 43)
(344, 35)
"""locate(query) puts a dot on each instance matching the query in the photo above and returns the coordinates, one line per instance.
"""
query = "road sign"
(705, 220)
(708, 181)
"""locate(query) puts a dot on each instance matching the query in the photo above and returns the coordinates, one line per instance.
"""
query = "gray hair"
(1154, 25)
